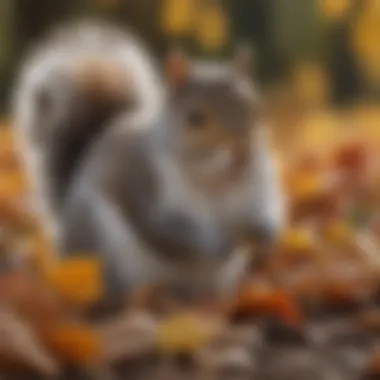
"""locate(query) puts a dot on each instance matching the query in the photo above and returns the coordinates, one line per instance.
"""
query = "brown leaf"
(31, 298)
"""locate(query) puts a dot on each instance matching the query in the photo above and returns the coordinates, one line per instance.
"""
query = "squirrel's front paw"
(233, 273)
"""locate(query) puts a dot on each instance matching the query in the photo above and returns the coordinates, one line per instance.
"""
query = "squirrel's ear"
(177, 67)
(243, 59)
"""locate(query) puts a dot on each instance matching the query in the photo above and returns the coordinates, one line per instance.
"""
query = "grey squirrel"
(164, 195)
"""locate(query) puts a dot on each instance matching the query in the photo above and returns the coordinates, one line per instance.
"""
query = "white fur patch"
(268, 194)
(31, 158)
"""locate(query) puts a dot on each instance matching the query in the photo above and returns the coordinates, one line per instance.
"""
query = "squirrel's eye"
(197, 119)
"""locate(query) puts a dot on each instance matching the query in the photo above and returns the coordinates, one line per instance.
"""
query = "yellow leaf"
(77, 280)
(334, 9)
(318, 131)
(184, 333)
(74, 343)
(365, 40)
(338, 231)
(298, 239)
(177, 17)
(311, 84)
(212, 29)
(307, 186)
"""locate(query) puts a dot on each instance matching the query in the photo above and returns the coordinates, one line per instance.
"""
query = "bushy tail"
(69, 88)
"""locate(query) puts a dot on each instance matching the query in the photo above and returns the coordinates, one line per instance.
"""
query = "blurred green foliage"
(283, 33)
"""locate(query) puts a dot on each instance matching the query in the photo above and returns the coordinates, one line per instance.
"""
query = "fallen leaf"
(73, 343)
(78, 280)
(306, 186)
(285, 308)
(186, 333)
(298, 239)
(352, 156)
(338, 231)
(262, 299)
(14, 185)
(31, 298)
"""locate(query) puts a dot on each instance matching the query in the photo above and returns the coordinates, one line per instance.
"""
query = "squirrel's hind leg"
(93, 224)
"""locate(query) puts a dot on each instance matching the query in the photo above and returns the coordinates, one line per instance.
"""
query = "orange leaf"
(352, 156)
(78, 280)
(285, 308)
(254, 299)
(73, 343)
(263, 299)
(307, 185)
(13, 185)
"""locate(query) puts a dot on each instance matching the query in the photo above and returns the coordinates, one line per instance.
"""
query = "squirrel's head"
(222, 140)
(216, 109)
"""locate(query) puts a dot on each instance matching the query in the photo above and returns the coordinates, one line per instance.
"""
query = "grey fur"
(129, 197)
(54, 140)
(114, 208)
(187, 241)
